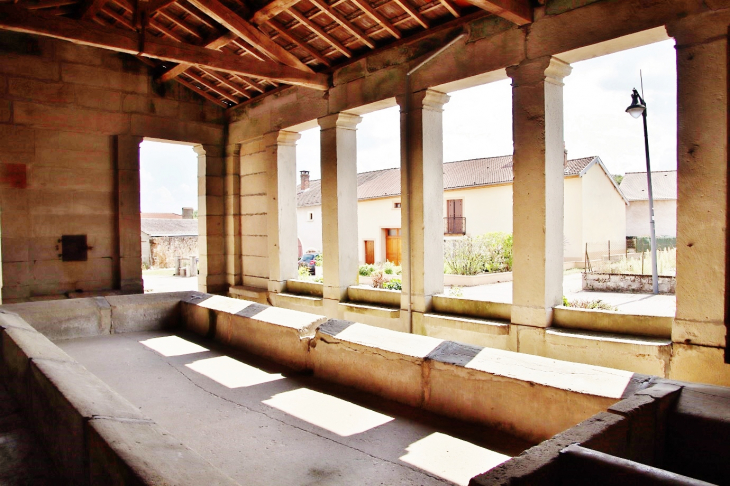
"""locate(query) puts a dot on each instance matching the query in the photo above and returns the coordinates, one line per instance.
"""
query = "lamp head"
(637, 106)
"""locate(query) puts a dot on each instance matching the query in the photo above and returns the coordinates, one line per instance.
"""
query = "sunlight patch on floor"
(225, 304)
(232, 373)
(173, 346)
(328, 412)
(450, 458)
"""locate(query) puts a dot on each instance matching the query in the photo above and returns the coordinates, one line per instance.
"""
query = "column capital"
(199, 149)
(343, 119)
(701, 28)
(549, 69)
(427, 99)
(281, 137)
(233, 149)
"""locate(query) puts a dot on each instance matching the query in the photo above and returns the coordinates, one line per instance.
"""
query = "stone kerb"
(92, 434)
(529, 396)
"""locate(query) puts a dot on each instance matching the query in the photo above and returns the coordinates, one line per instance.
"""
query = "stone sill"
(459, 306)
(613, 322)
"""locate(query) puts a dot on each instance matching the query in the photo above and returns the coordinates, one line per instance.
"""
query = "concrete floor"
(264, 425)
(627, 303)
(154, 282)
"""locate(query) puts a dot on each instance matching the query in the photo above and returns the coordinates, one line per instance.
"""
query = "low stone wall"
(528, 396)
(613, 282)
(93, 435)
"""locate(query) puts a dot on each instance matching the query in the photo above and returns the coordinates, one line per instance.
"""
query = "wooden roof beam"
(299, 16)
(216, 44)
(272, 10)
(233, 22)
(410, 10)
(202, 93)
(18, 19)
(378, 17)
(273, 23)
(516, 11)
(340, 19)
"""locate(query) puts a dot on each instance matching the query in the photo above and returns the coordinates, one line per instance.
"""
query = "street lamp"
(637, 108)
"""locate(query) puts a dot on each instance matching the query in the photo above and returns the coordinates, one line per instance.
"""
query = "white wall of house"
(604, 215)
(665, 218)
(486, 209)
(309, 227)
(573, 219)
(594, 212)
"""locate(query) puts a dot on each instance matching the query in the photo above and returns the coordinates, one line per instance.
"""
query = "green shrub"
(393, 284)
(366, 270)
(590, 304)
(318, 260)
(304, 273)
(490, 252)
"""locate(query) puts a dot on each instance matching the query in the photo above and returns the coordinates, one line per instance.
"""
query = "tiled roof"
(170, 227)
(464, 173)
(664, 184)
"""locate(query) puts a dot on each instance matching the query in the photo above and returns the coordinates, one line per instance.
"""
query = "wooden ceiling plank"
(516, 11)
(18, 19)
(91, 8)
(451, 7)
(195, 13)
(344, 23)
(249, 82)
(179, 23)
(118, 17)
(233, 22)
(272, 10)
(378, 17)
(166, 30)
(289, 37)
(410, 10)
(319, 31)
(237, 90)
(156, 5)
(248, 50)
(211, 87)
(202, 93)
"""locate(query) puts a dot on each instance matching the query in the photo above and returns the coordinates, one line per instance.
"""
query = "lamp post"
(638, 107)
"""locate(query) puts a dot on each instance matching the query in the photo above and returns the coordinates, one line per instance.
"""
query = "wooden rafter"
(214, 44)
(233, 22)
(202, 93)
(303, 19)
(156, 5)
(516, 11)
(344, 23)
(303, 44)
(18, 19)
(272, 10)
(415, 14)
(91, 8)
(237, 90)
(451, 7)
(211, 87)
(378, 17)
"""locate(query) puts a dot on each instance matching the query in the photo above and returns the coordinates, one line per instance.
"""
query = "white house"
(664, 184)
(477, 200)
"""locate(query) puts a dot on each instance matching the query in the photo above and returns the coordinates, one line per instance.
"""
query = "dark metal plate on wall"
(74, 248)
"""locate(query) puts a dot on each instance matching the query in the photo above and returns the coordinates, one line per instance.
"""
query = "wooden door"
(393, 245)
(454, 215)
(369, 252)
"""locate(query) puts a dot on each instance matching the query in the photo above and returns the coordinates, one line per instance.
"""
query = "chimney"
(565, 155)
(187, 213)
(305, 180)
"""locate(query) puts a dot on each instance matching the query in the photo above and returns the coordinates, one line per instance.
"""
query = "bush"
(490, 252)
(394, 284)
(304, 273)
(589, 304)
(366, 270)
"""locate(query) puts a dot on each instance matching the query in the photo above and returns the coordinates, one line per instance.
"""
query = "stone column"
(128, 274)
(212, 277)
(699, 331)
(537, 201)
(232, 222)
(422, 194)
(338, 142)
(281, 197)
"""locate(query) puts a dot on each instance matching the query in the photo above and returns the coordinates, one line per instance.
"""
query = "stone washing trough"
(192, 388)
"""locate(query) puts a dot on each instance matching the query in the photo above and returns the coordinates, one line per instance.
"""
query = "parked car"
(309, 260)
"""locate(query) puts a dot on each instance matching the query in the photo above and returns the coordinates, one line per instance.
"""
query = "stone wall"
(164, 250)
(71, 118)
(614, 282)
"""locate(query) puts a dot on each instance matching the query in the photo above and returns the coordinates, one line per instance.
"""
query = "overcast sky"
(478, 123)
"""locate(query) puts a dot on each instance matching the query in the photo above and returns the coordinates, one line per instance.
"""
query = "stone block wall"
(71, 118)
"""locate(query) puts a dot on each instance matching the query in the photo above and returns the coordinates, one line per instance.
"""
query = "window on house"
(396, 205)
(311, 216)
